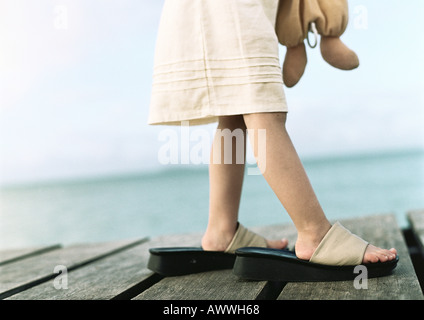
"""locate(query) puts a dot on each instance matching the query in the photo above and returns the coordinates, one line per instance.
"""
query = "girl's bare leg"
(285, 174)
(226, 182)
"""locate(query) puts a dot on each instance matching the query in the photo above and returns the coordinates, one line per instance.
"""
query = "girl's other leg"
(226, 181)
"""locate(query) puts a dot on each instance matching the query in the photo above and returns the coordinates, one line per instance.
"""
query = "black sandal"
(335, 258)
(179, 261)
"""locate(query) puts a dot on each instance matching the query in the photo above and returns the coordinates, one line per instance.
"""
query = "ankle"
(217, 239)
(314, 231)
(215, 242)
(308, 240)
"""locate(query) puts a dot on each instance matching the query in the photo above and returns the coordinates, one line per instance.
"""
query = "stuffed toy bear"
(329, 18)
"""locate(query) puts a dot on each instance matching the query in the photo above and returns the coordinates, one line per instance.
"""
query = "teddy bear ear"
(294, 64)
(337, 54)
(331, 27)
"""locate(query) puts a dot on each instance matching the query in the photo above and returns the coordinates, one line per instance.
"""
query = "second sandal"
(335, 258)
(175, 261)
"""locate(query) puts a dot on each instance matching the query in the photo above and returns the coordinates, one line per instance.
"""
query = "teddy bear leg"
(294, 64)
(337, 54)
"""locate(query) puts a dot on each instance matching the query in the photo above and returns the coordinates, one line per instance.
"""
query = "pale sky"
(75, 79)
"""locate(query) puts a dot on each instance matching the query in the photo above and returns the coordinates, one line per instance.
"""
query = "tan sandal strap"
(340, 247)
(245, 238)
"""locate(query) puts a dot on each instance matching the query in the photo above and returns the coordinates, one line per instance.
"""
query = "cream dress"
(216, 58)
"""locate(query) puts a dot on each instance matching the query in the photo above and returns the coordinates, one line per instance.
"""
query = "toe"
(370, 258)
(374, 254)
(389, 254)
(383, 257)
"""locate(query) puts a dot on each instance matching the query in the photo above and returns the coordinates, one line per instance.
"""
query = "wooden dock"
(117, 270)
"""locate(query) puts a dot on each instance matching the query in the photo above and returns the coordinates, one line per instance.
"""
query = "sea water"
(175, 200)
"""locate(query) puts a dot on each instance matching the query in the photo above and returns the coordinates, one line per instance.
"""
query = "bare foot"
(306, 245)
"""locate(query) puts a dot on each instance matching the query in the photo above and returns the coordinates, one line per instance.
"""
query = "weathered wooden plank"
(100, 280)
(218, 285)
(215, 285)
(402, 284)
(13, 255)
(21, 275)
(416, 220)
(108, 278)
(119, 270)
